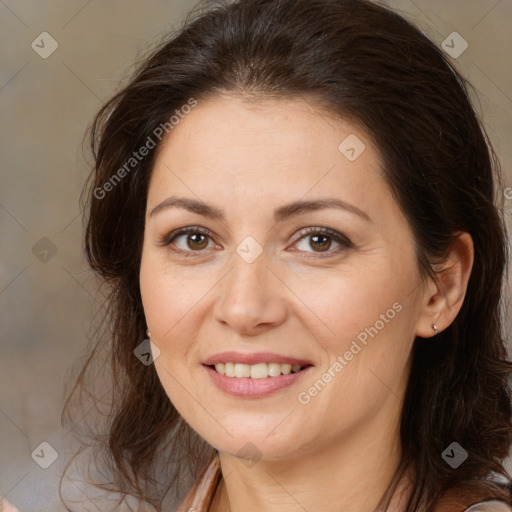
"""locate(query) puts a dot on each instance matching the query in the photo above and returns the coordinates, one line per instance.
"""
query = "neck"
(351, 474)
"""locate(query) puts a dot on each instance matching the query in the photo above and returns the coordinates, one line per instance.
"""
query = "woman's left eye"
(195, 239)
(322, 239)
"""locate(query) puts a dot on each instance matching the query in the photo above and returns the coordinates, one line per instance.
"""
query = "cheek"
(171, 298)
(168, 302)
(364, 321)
(340, 305)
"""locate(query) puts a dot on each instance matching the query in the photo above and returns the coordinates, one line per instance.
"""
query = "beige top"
(5, 506)
(200, 497)
(490, 506)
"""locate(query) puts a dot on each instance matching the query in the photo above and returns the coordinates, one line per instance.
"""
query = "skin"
(340, 450)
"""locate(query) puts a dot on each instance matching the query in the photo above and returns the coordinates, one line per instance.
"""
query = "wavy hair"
(364, 62)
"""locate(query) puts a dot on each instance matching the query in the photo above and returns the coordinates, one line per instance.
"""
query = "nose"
(252, 297)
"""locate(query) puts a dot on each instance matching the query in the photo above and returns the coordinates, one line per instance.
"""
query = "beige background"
(45, 107)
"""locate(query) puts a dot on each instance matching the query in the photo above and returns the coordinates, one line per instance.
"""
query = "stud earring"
(434, 326)
(148, 333)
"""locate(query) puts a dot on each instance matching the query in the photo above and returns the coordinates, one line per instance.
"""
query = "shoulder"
(489, 495)
(490, 506)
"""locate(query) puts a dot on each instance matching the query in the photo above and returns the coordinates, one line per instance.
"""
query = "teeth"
(256, 371)
(286, 368)
(259, 371)
(274, 369)
(242, 370)
(230, 369)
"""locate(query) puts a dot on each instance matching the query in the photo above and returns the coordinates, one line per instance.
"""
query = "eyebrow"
(280, 214)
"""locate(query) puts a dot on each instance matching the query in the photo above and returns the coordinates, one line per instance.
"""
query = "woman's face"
(297, 255)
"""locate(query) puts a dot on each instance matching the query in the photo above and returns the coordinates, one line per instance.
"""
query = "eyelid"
(168, 238)
(339, 237)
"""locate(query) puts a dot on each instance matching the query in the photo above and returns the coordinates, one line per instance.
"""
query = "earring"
(148, 333)
(434, 326)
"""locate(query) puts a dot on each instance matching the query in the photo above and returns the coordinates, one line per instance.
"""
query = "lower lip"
(254, 388)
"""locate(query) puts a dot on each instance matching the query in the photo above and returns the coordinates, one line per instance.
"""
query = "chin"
(254, 448)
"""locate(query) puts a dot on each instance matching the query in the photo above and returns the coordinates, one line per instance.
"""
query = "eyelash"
(344, 242)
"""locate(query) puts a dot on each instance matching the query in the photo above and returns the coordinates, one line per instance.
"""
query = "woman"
(295, 202)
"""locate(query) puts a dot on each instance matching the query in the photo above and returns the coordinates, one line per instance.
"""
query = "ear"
(443, 298)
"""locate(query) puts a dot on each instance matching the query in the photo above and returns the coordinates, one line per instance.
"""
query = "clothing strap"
(490, 506)
(200, 497)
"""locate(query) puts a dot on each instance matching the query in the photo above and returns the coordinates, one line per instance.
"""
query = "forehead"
(267, 152)
(222, 127)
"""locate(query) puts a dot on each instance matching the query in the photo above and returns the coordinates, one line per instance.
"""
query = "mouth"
(255, 375)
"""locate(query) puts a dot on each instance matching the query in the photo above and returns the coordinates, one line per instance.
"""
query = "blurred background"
(59, 62)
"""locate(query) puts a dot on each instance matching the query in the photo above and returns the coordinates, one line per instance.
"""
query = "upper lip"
(254, 358)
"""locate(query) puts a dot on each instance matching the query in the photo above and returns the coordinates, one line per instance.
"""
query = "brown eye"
(197, 241)
(320, 240)
(189, 240)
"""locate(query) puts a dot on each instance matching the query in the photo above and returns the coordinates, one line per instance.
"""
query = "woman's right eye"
(191, 240)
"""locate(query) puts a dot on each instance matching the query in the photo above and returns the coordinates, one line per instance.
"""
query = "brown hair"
(365, 63)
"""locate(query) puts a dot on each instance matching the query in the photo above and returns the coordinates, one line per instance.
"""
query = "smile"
(256, 380)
